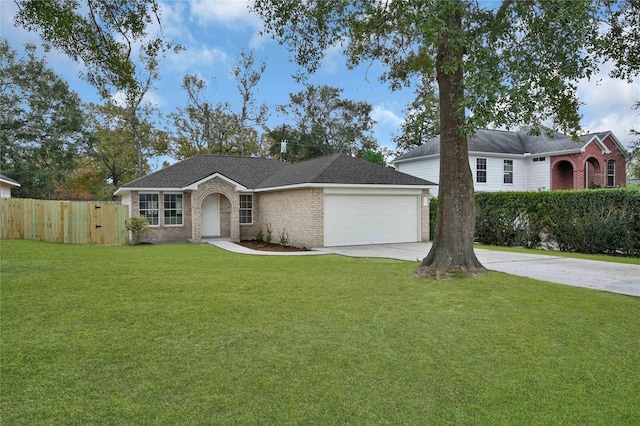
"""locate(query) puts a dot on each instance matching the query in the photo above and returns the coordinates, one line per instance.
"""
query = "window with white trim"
(246, 209)
(539, 159)
(149, 208)
(611, 173)
(481, 170)
(508, 171)
(173, 211)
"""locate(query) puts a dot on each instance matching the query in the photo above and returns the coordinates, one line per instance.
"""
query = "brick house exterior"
(289, 199)
(591, 166)
(523, 161)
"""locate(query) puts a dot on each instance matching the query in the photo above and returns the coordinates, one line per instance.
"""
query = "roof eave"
(191, 187)
(124, 189)
(9, 182)
(194, 186)
(598, 142)
(343, 185)
(421, 157)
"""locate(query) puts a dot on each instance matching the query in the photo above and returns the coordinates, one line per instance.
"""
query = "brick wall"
(300, 212)
(166, 233)
(424, 216)
(621, 163)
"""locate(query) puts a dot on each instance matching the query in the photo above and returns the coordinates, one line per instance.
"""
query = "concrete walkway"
(607, 276)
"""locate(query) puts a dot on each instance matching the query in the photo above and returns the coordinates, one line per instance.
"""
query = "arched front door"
(210, 219)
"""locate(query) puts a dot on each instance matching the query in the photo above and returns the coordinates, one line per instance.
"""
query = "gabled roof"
(246, 171)
(339, 169)
(515, 143)
(8, 180)
(259, 173)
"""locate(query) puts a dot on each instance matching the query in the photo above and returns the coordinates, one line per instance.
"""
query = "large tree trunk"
(452, 249)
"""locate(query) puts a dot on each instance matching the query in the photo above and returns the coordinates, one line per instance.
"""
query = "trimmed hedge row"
(588, 221)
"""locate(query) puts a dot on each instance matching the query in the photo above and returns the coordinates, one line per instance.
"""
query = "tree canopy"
(322, 122)
(104, 35)
(40, 124)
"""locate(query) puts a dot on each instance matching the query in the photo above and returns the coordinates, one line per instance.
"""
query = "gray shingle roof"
(246, 171)
(339, 169)
(260, 173)
(506, 142)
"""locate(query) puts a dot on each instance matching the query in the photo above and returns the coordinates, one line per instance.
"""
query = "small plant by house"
(284, 237)
(139, 228)
(260, 235)
(268, 234)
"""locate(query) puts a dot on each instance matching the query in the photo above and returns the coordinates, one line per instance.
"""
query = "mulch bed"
(264, 246)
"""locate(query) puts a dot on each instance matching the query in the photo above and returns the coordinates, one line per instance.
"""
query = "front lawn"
(190, 334)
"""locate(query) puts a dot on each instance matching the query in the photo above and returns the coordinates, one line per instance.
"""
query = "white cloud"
(332, 59)
(608, 105)
(385, 116)
(150, 98)
(173, 24)
(227, 12)
(198, 58)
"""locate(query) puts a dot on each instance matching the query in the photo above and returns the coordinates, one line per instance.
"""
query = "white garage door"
(371, 219)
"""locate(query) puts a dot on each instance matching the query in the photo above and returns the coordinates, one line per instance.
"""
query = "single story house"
(327, 201)
(6, 184)
(521, 161)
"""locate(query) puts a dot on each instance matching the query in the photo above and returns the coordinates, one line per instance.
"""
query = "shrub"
(259, 235)
(268, 235)
(588, 221)
(433, 216)
(139, 228)
(284, 237)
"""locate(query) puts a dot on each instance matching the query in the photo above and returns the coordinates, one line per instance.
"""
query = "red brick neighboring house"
(521, 161)
(599, 162)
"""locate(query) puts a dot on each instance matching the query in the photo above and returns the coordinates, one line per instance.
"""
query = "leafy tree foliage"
(205, 127)
(40, 123)
(200, 127)
(105, 35)
(111, 158)
(421, 122)
(251, 114)
(375, 157)
(512, 63)
(324, 123)
(102, 34)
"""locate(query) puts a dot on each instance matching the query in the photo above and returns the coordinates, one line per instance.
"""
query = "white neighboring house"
(5, 186)
(520, 161)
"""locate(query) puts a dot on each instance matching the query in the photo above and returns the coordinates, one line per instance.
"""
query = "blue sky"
(215, 31)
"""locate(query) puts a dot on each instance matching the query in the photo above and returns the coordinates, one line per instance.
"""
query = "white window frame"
(179, 209)
(143, 212)
(246, 209)
(507, 167)
(481, 162)
(611, 173)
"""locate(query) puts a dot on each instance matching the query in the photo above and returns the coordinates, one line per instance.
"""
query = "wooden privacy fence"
(72, 222)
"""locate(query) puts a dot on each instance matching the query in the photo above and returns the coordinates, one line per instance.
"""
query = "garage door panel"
(371, 219)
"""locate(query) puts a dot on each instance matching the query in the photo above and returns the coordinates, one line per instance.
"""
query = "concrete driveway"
(614, 277)
(607, 276)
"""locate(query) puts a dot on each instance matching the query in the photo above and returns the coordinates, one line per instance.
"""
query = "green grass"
(600, 257)
(190, 334)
